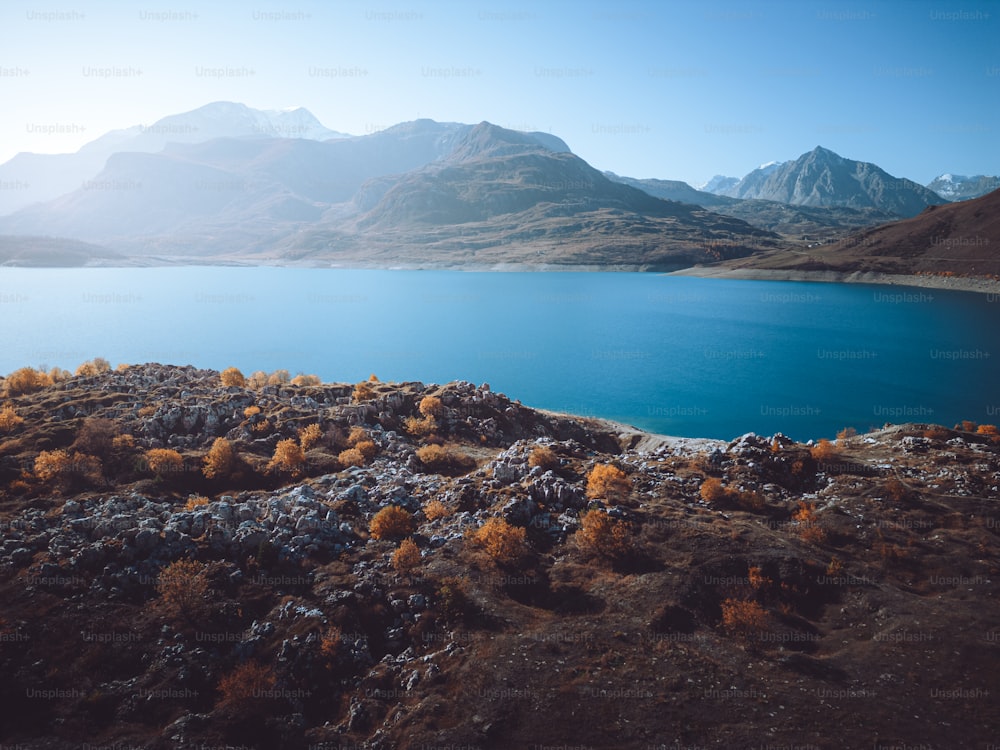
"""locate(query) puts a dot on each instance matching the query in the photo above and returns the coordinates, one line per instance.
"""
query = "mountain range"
(951, 187)
(227, 183)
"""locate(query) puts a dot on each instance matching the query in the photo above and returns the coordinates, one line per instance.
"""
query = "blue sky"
(669, 89)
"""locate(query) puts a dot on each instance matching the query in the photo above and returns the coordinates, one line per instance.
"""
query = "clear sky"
(674, 89)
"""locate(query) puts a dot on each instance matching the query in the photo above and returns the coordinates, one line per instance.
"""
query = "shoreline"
(946, 283)
(976, 285)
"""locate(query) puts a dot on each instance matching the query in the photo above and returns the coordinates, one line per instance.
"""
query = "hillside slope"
(697, 594)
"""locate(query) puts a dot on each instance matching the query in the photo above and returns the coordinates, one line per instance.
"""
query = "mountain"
(503, 197)
(719, 184)
(31, 178)
(673, 190)
(959, 239)
(432, 192)
(956, 187)
(811, 222)
(54, 252)
(823, 178)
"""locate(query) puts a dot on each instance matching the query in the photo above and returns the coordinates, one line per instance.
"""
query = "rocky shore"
(440, 566)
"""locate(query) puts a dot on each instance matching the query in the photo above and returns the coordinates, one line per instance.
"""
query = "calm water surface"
(676, 355)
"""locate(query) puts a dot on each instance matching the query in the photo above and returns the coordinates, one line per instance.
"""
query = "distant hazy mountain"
(30, 178)
(957, 187)
(413, 190)
(719, 184)
(54, 251)
(823, 178)
(672, 190)
(812, 222)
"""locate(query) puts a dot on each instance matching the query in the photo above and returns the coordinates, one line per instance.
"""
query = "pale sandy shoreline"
(952, 283)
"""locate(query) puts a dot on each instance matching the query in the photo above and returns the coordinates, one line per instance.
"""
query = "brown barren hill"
(959, 239)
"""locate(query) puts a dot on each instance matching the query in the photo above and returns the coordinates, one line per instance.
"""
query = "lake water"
(675, 355)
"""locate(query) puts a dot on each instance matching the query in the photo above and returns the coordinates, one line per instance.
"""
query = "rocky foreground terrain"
(187, 564)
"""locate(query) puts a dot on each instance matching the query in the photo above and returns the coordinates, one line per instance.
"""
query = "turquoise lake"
(675, 355)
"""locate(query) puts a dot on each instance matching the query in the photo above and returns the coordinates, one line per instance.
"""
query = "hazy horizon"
(674, 91)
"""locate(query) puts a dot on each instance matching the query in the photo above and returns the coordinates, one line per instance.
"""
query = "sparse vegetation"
(443, 460)
(288, 458)
(406, 558)
(392, 522)
(363, 391)
(431, 406)
(435, 509)
(601, 534)
(544, 457)
(65, 469)
(220, 459)
(182, 587)
(162, 461)
(246, 686)
(24, 381)
(279, 377)
(301, 381)
(9, 420)
(309, 436)
(232, 377)
(96, 366)
(824, 450)
(745, 619)
(502, 541)
(609, 483)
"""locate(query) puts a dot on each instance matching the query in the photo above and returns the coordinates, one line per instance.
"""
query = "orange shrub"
(309, 436)
(712, 490)
(279, 377)
(824, 450)
(407, 557)
(601, 534)
(363, 392)
(543, 456)
(420, 427)
(329, 645)
(251, 410)
(96, 366)
(444, 460)
(257, 380)
(846, 434)
(63, 468)
(195, 501)
(351, 457)
(59, 375)
(987, 429)
(232, 377)
(757, 578)
(809, 528)
(607, 482)
(431, 406)
(392, 522)
(24, 381)
(246, 686)
(220, 459)
(367, 449)
(896, 490)
(503, 542)
(744, 618)
(164, 460)
(9, 420)
(288, 457)
(182, 587)
(301, 380)
(435, 509)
